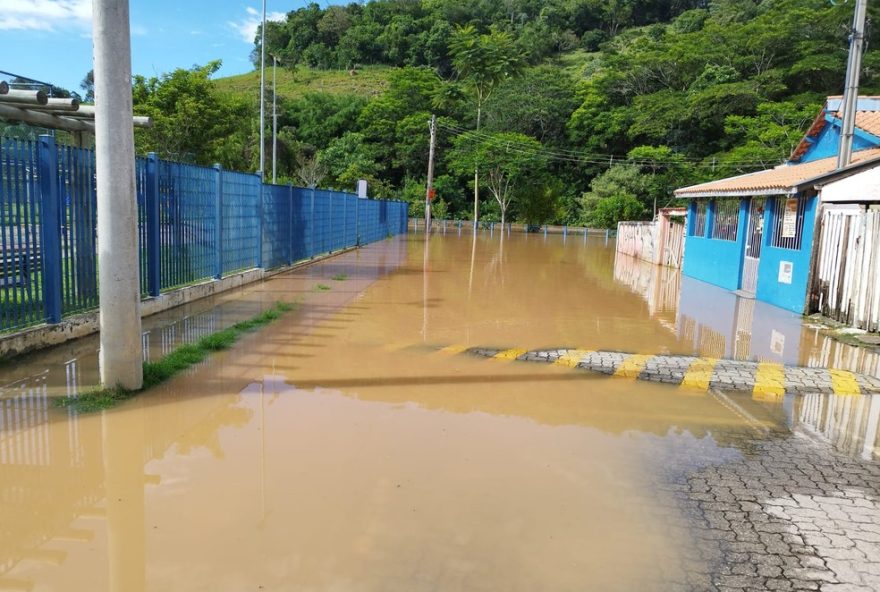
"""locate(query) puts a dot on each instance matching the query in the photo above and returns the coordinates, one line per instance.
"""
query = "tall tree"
(483, 62)
(511, 162)
(191, 120)
(88, 87)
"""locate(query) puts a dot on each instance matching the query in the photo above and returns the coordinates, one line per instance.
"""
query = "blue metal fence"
(79, 261)
(187, 223)
(277, 211)
(21, 298)
(241, 215)
(194, 223)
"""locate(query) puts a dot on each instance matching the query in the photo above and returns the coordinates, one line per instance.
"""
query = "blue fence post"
(290, 224)
(218, 221)
(357, 222)
(151, 203)
(330, 223)
(260, 226)
(50, 228)
(312, 223)
(344, 221)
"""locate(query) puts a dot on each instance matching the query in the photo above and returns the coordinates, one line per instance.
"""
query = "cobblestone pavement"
(696, 372)
(788, 513)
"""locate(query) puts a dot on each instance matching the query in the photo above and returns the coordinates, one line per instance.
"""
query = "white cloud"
(246, 27)
(45, 15)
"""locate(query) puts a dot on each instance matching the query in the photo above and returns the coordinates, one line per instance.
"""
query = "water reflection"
(318, 455)
(73, 366)
(714, 322)
(849, 424)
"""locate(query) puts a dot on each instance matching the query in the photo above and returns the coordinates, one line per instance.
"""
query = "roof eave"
(819, 181)
(740, 193)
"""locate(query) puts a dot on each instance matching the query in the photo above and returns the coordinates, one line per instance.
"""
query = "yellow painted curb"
(632, 366)
(451, 350)
(769, 379)
(844, 382)
(699, 373)
(572, 357)
(509, 355)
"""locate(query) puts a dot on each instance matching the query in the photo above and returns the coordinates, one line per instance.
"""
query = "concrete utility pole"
(477, 175)
(429, 195)
(263, 93)
(851, 90)
(118, 270)
(274, 121)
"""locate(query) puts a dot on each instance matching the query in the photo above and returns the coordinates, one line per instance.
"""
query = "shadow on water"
(714, 322)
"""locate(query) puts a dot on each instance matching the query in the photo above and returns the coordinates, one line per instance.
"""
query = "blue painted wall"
(718, 262)
(826, 143)
(792, 296)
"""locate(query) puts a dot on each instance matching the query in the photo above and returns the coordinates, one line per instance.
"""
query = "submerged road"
(340, 448)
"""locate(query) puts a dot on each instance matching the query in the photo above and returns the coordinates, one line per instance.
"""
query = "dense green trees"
(416, 33)
(191, 120)
(618, 102)
(513, 164)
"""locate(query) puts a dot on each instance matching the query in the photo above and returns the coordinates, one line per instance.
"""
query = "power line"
(596, 158)
(599, 155)
(564, 155)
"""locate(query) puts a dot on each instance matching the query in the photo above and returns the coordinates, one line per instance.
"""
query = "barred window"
(788, 222)
(726, 219)
(700, 218)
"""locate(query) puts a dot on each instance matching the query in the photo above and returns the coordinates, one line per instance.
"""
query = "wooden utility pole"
(851, 90)
(117, 230)
(429, 194)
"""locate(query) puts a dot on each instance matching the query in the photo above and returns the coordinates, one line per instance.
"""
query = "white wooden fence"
(846, 277)
(661, 242)
(637, 239)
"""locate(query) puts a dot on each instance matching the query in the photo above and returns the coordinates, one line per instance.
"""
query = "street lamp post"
(274, 120)
(263, 93)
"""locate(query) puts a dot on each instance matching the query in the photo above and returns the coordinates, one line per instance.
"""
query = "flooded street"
(353, 445)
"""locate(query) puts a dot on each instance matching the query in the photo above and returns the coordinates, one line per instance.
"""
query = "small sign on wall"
(785, 270)
(789, 219)
(362, 188)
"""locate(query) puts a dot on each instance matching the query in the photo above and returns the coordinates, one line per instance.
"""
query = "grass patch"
(183, 357)
(322, 288)
(340, 277)
(369, 81)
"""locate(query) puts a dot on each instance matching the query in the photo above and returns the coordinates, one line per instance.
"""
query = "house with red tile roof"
(754, 233)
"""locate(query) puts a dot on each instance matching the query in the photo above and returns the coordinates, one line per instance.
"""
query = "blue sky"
(166, 34)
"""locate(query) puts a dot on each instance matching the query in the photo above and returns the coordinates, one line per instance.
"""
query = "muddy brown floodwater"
(348, 447)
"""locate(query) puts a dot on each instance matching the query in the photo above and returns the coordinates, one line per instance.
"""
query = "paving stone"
(786, 514)
(735, 375)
